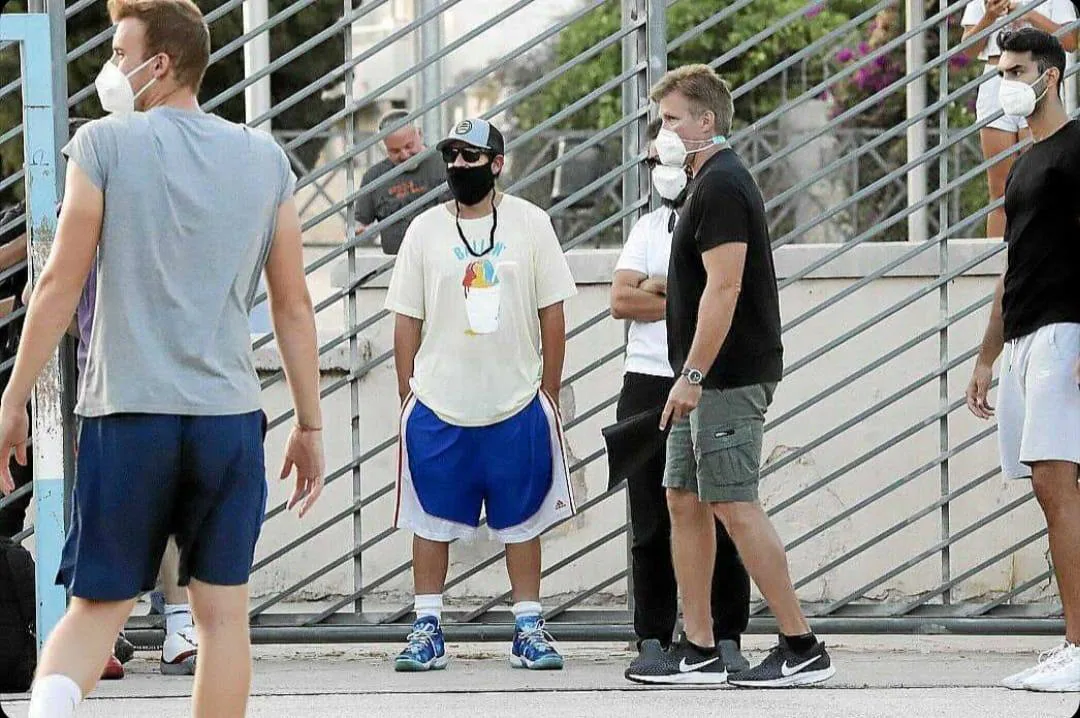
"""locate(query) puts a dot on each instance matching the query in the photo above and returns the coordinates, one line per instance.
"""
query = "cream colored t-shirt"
(479, 360)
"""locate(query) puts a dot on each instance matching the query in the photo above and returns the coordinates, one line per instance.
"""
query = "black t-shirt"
(1042, 283)
(725, 205)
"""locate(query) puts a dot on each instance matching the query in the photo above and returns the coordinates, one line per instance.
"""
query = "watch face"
(693, 376)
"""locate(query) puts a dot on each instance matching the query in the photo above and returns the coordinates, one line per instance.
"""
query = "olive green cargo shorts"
(716, 453)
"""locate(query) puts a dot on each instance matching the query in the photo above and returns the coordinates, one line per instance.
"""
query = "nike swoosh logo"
(790, 671)
(685, 667)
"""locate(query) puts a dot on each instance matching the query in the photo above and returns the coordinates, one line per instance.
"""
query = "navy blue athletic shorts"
(144, 477)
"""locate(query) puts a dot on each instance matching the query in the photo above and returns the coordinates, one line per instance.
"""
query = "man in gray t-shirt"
(171, 443)
(418, 177)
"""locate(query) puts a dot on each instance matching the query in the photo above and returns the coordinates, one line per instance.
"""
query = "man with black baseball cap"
(479, 339)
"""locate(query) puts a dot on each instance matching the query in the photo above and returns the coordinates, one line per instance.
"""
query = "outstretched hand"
(14, 433)
(304, 452)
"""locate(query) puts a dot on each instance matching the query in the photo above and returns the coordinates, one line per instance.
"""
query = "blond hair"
(175, 28)
(704, 89)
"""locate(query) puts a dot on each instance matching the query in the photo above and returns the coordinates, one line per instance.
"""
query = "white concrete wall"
(888, 459)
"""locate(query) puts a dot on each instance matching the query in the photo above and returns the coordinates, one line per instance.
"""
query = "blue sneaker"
(533, 647)
(426, 650)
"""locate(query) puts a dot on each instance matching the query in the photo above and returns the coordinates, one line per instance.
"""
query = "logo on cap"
(463, 128)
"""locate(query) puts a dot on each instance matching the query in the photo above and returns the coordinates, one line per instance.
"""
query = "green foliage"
(710, 45)
(223, 74)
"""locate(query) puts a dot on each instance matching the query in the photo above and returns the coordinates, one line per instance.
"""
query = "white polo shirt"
(647, 251)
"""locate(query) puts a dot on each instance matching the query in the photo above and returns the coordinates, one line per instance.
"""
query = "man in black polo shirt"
(723, 318)
(1036, 320)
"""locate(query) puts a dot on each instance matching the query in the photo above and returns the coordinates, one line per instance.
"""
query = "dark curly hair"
(1046, 50)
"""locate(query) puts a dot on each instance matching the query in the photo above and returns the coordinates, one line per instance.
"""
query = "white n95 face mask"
(1018, 99)
(114, 88)
(669, 182)
(672, 151)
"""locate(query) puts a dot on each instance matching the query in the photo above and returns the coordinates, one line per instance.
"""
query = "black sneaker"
(784, 668)
(734, 660)
(681, 664)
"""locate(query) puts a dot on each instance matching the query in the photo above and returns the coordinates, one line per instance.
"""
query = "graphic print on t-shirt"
(482, 290)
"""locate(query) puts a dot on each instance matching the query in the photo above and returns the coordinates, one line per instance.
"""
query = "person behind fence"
(1005, 132)
(420, 175)
(637, 294)
(723, 320)
(1035, 321)
(479, 339)
(172, 425)
(12, 252)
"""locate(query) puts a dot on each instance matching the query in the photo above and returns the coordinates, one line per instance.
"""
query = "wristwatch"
(693, 376)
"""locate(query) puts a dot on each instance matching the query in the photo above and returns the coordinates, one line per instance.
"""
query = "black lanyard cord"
(494, 225)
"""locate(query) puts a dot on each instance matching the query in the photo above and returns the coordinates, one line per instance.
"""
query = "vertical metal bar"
(41, 192)
(633, 47)
(352, 318)
(944, 440)
(918, 230)
(257, 98)
(257, 103)
(68, 345)
(656, 41)
(431, 40)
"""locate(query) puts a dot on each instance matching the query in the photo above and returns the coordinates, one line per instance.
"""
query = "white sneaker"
(1015, 682)
(1058, 673)
(179, 653)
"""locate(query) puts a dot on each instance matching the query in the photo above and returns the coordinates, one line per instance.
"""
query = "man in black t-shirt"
(723, 320)
(1036, 320)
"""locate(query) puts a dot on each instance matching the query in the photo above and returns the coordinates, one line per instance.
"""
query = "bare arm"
(407, 332)
(56, 292)
(1040, 21)
(994, 337)
(634, 296)
(294, 317)
(724, 270)
(978, 390)
(995, 10)
(553, 346)
(294, 327)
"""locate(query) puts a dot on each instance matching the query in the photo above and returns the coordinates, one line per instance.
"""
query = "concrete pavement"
(901, 678)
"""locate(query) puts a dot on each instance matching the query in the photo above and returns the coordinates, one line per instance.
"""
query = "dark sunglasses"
(450, 154)
(651, 162)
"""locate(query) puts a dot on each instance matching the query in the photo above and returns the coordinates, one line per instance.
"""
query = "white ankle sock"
(54, 696)
(528, 608)
(428, 605)
(177, 617)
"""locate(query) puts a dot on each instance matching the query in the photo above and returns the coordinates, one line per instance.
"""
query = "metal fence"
(856, 476)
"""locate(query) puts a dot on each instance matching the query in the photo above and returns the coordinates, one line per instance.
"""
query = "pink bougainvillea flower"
(815, 10)
(844, 55)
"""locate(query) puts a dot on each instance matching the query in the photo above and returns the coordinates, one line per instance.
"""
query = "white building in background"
(456, 21)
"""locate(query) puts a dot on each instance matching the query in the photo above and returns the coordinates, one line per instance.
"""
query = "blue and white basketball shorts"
(141, 478)
(515, 470)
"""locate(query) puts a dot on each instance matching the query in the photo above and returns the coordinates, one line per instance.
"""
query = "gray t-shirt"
(191, 204)
(407, 187)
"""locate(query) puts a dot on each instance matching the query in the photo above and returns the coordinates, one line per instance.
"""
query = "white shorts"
(1039, 400)
(987, 103)
(514, 471)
